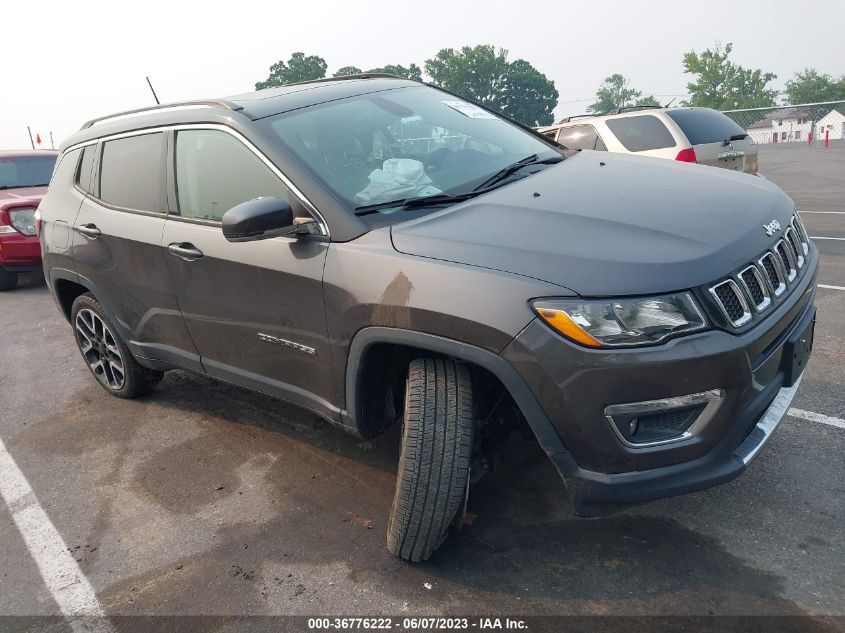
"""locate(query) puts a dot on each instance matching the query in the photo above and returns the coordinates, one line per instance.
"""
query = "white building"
(833, 123)
(786, 126)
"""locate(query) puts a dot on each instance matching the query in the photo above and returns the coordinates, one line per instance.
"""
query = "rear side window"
(705, 125)
(641, 133)
(581, 137)
(83, 174)
(215, 172)
(131, 171)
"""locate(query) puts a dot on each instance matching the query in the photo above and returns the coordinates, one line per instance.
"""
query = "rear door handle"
(185, 250)
(89, 230)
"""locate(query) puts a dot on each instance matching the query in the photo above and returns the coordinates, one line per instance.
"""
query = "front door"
(254, 309)
(117, 248)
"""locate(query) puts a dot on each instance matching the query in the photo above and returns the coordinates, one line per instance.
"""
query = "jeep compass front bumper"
(740, 385)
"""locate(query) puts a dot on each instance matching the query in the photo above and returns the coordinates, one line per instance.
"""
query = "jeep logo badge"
(772, 227)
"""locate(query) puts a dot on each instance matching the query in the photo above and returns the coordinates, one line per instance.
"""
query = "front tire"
(105, 353)
(8, 279)
(434, 464)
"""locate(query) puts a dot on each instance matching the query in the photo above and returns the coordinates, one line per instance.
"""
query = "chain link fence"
(811, 123)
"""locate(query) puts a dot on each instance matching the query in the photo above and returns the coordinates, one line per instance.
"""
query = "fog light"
(655, 422)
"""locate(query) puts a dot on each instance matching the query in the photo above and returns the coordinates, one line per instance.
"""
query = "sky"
(69, 61)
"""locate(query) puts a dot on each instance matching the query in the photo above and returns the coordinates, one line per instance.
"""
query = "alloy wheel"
(100, 349)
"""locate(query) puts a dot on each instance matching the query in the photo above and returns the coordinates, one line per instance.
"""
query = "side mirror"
(258, 219)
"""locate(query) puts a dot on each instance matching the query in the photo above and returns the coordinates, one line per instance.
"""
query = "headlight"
(618, 322)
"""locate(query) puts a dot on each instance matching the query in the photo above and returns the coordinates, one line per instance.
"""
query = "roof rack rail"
(212, 103)
(575, 116)
(634, 107)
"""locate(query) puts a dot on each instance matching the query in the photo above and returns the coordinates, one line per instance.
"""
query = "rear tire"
(105, 353)
(431, 484)
(8, 280)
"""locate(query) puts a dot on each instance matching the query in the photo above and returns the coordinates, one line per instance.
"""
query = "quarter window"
(581, 137)
(83, 174)
(131, 171)
(215, 172)
(641, 133)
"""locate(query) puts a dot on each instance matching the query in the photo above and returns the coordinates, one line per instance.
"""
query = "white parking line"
(817, 237)
(817, 417)
(831, 287)
(825, 212)
(62, 576)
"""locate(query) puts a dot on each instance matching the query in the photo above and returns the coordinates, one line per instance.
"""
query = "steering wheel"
(435, 160)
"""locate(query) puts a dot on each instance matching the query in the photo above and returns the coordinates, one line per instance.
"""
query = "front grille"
(761, 282)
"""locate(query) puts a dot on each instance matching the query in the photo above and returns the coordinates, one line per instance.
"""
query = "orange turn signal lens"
(559, 321)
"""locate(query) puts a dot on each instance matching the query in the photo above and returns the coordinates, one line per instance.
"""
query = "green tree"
(723, 85)
(811, 87)
(615, 93)
(298, 68)
(347, 70)
(483, 74)
(412, 72)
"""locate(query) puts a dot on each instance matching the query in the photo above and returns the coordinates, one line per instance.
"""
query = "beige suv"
(693, 135)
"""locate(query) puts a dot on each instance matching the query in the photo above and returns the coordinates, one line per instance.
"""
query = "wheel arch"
(363, 360)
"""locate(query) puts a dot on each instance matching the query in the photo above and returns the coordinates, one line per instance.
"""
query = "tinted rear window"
(26, 171)
(705, 125)
(131, 172)
(641, 133)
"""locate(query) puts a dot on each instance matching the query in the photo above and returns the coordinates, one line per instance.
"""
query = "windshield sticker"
(469, 109)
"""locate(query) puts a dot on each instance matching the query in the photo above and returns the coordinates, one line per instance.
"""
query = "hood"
(608, 225)
(23, 196)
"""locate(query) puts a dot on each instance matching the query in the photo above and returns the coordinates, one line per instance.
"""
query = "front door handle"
(185, 250)
(89, 230)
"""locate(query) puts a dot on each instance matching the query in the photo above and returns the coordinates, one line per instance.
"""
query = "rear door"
(117, 248)
(717, 140)
(254, 309)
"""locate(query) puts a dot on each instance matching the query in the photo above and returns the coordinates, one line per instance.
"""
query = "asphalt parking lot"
(205, 499)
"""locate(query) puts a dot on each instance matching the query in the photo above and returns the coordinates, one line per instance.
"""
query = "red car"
(24, 176)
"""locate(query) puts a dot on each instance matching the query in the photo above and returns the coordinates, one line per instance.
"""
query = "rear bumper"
(20, 253)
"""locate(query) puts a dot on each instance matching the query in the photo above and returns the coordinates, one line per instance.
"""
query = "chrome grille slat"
(791, 237)
(784, 251)
(752, 281)
(774, 272)
(732, 302)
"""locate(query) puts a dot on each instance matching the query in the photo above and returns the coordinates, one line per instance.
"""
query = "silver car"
(693, 135)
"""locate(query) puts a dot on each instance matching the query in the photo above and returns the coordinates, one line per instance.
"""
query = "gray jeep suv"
(380, 251)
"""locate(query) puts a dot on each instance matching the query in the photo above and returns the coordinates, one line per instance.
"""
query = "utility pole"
(52, 145)
(31, 142)
(155, 96)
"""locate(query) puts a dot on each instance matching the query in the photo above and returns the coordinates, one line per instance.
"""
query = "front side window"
(215, 172)
(131, 170)
(26, 171)
(641, 133)
(384, 146)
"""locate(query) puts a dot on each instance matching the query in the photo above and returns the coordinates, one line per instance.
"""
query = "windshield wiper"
(418, 201)
(447, 198)
(4, 187)
(511, 169)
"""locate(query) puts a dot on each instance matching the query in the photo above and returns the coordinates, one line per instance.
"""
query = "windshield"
(25, 171)
(410, 142)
